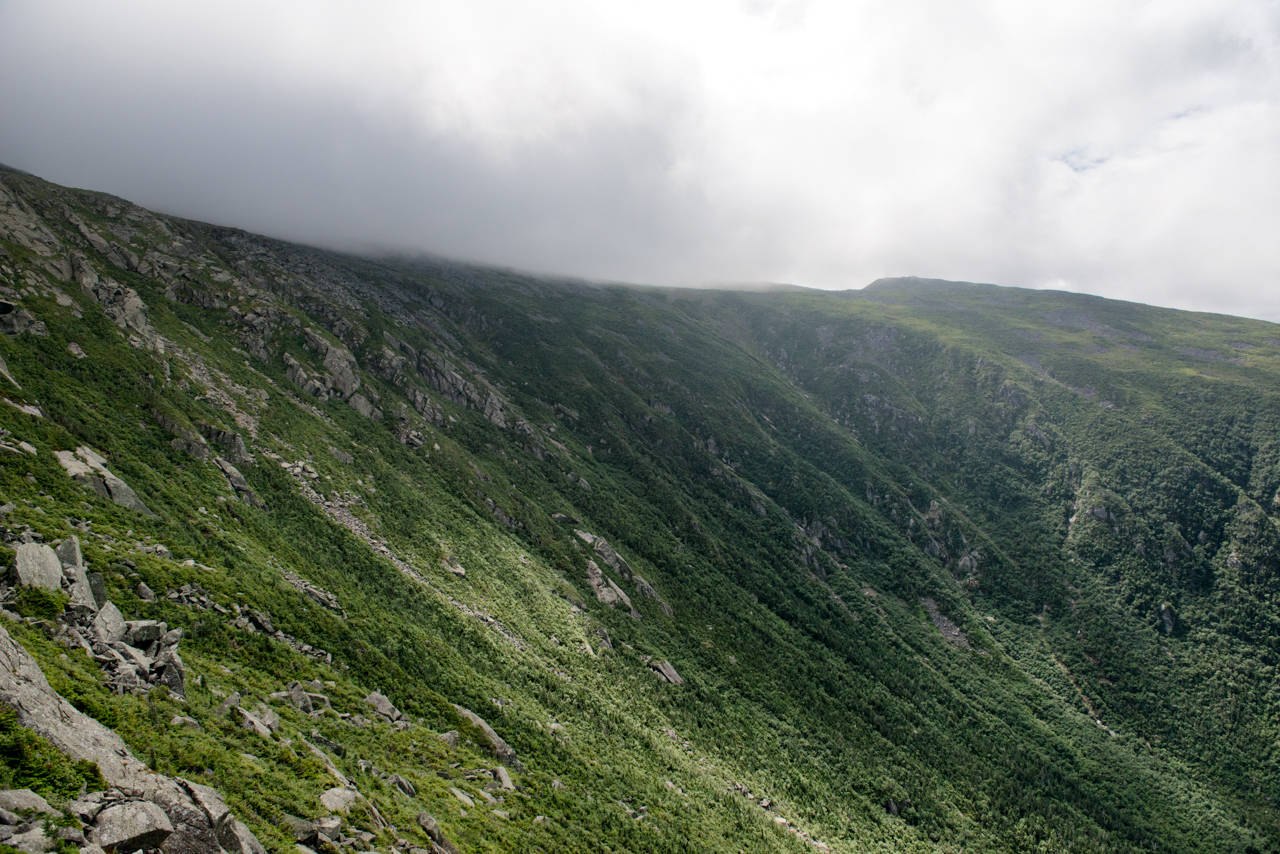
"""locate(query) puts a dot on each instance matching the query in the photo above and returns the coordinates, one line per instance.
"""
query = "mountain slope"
(931, 565)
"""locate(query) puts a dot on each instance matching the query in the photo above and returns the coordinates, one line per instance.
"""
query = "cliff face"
(393, 554)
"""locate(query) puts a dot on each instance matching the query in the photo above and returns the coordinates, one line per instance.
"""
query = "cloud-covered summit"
(1126, 149)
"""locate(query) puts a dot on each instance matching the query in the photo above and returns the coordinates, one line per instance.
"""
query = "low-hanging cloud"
(1126, 149)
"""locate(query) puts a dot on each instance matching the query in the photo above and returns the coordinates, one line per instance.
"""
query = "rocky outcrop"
(610, 556)
(500, 749)
(15, 320)
(89, 468)
(342, 377)
(237, 482)
(665, 669)
(141, 809)
(119, 303)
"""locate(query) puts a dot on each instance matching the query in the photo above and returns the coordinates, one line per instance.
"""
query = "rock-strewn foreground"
(312, 553)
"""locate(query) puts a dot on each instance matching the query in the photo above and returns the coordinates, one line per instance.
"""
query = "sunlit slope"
(906, 550)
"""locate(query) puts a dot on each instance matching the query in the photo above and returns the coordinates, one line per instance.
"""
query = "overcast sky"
(1120, 148)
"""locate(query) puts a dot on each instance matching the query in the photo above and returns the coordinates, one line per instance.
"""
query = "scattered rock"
(145, 593)
(237, 482)
(450, 738)
(504, 778)
(109, 626)
(228, 704)
(405, 787)
(299, 698)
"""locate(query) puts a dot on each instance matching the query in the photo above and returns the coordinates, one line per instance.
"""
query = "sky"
(1126, 149)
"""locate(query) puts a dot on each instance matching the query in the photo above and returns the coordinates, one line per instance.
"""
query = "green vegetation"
(942, 566)
(30, 762)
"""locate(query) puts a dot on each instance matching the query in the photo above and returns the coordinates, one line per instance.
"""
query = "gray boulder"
(299, 698)
(142, 633)
(98, 586)
(340, 800)
(23, 801)
(405, 787)
(237, 482)
(69, 552)
(504, 778)
(251, 721)
(168, 671)
(131, 825)
(109, 626)
(232, 702)
(33, 841)
(667, 672)
(432, 828)
(74, 572)
(383, 706)
(37, 565)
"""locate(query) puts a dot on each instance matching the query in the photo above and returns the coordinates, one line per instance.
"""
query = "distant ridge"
(896, 282)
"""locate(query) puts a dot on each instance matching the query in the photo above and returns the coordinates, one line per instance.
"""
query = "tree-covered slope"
(929, 566)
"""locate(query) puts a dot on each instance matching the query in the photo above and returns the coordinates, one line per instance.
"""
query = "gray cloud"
(1121, 149)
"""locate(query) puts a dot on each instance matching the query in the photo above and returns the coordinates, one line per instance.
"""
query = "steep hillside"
(469, 559)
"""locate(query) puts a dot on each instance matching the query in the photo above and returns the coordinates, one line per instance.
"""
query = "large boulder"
(383, 706)
(340, 800)
(24, 801)
(73, 570)
(131, 825)
(109, 626)
(37, 565)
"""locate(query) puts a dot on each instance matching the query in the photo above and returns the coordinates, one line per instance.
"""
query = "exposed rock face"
(338, 361)
(500, 748)
(121, 304)
(140, 802)
(954, 635)
(15, 320)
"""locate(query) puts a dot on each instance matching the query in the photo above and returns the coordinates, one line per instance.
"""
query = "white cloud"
(1122, 148)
